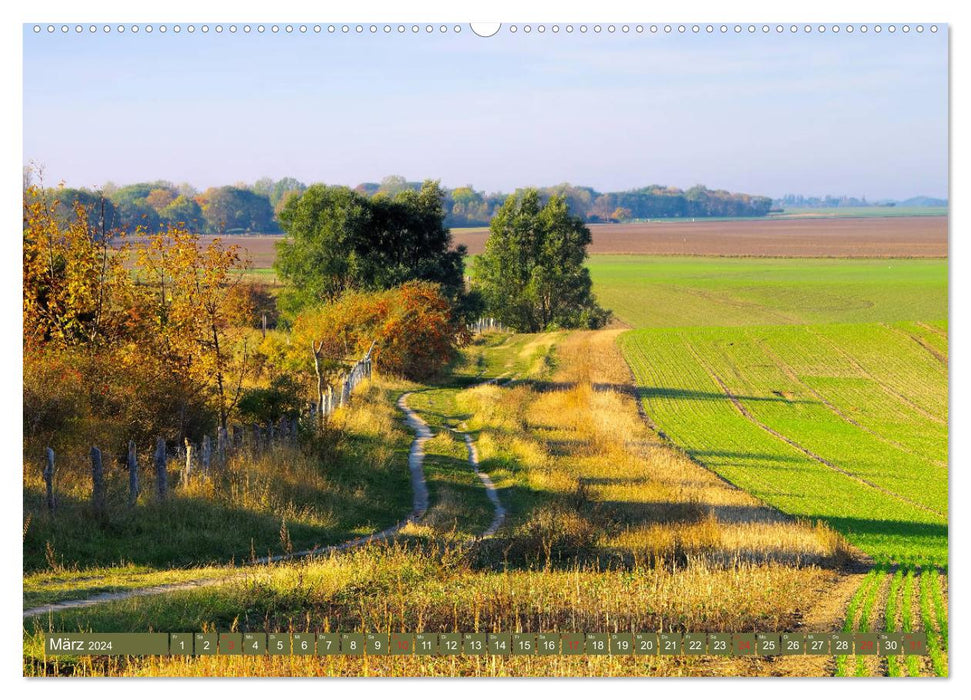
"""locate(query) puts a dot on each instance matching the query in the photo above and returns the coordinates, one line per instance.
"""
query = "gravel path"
(491, 492)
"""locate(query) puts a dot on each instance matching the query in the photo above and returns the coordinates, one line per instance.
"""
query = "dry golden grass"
(391, 589)
(580, 436)
(609, 529)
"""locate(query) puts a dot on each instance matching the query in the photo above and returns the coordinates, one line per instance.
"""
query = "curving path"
(416, 456)
(419, 506)
(491, 492)
(422, 433)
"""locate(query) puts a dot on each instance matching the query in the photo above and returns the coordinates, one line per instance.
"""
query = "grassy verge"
(49, 587)
(351, 481)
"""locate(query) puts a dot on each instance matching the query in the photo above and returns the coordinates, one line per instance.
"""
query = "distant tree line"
(153, 206)
(466, 206)
(830, 202)
(256, 208)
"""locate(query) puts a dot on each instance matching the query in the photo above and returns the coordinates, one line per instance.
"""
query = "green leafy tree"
(284, 188)
(393, 184)
(235, 210)
(183, 212)
(342, 240)
(318, 261)
(532, 275)
(99, 210)
(133, 208)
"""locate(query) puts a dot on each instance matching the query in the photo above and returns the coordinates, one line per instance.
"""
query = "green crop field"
(813, 421)
(661, 291)
(820, 386)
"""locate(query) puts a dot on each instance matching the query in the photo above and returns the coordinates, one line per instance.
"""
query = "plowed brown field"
(892, 237)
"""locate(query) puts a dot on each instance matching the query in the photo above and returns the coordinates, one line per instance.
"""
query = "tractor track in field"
(790, 372)
(886, 389)
(934, 352)
(740, 407)
(416, 458)
(940, 333)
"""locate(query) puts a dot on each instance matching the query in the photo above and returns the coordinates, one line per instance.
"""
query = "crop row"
(789, 447)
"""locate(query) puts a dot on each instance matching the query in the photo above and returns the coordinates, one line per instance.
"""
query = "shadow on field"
(684, 394)
(643, 392)
(458, 503)
(917, 542)
(665, 512)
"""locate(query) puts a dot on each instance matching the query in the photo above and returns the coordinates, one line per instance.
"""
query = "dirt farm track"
(873, 237)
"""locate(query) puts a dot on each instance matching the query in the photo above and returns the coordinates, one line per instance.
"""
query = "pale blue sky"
(768, 114)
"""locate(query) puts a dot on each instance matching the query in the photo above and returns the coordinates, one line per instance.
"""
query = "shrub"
(412, 326)
(267, 405)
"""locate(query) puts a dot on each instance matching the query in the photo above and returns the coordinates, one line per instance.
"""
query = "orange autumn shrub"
(413, 328)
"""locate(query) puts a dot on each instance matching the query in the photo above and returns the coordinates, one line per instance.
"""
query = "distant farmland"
(821, 386)
(657, 291)
(819, 237)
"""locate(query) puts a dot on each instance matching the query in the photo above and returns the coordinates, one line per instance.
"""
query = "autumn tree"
(124, 340)
(160, 197)
(413, 327)
(199, 311)
(183, 212)
(71, 276)
(88, 368)
(620, 214)
(532, 273)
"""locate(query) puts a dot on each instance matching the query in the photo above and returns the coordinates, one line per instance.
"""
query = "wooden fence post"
(132, 474)
(161, 469)
(221, 440)
(98, 479)
(206, 454)
(187, 472)
(49, 479)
